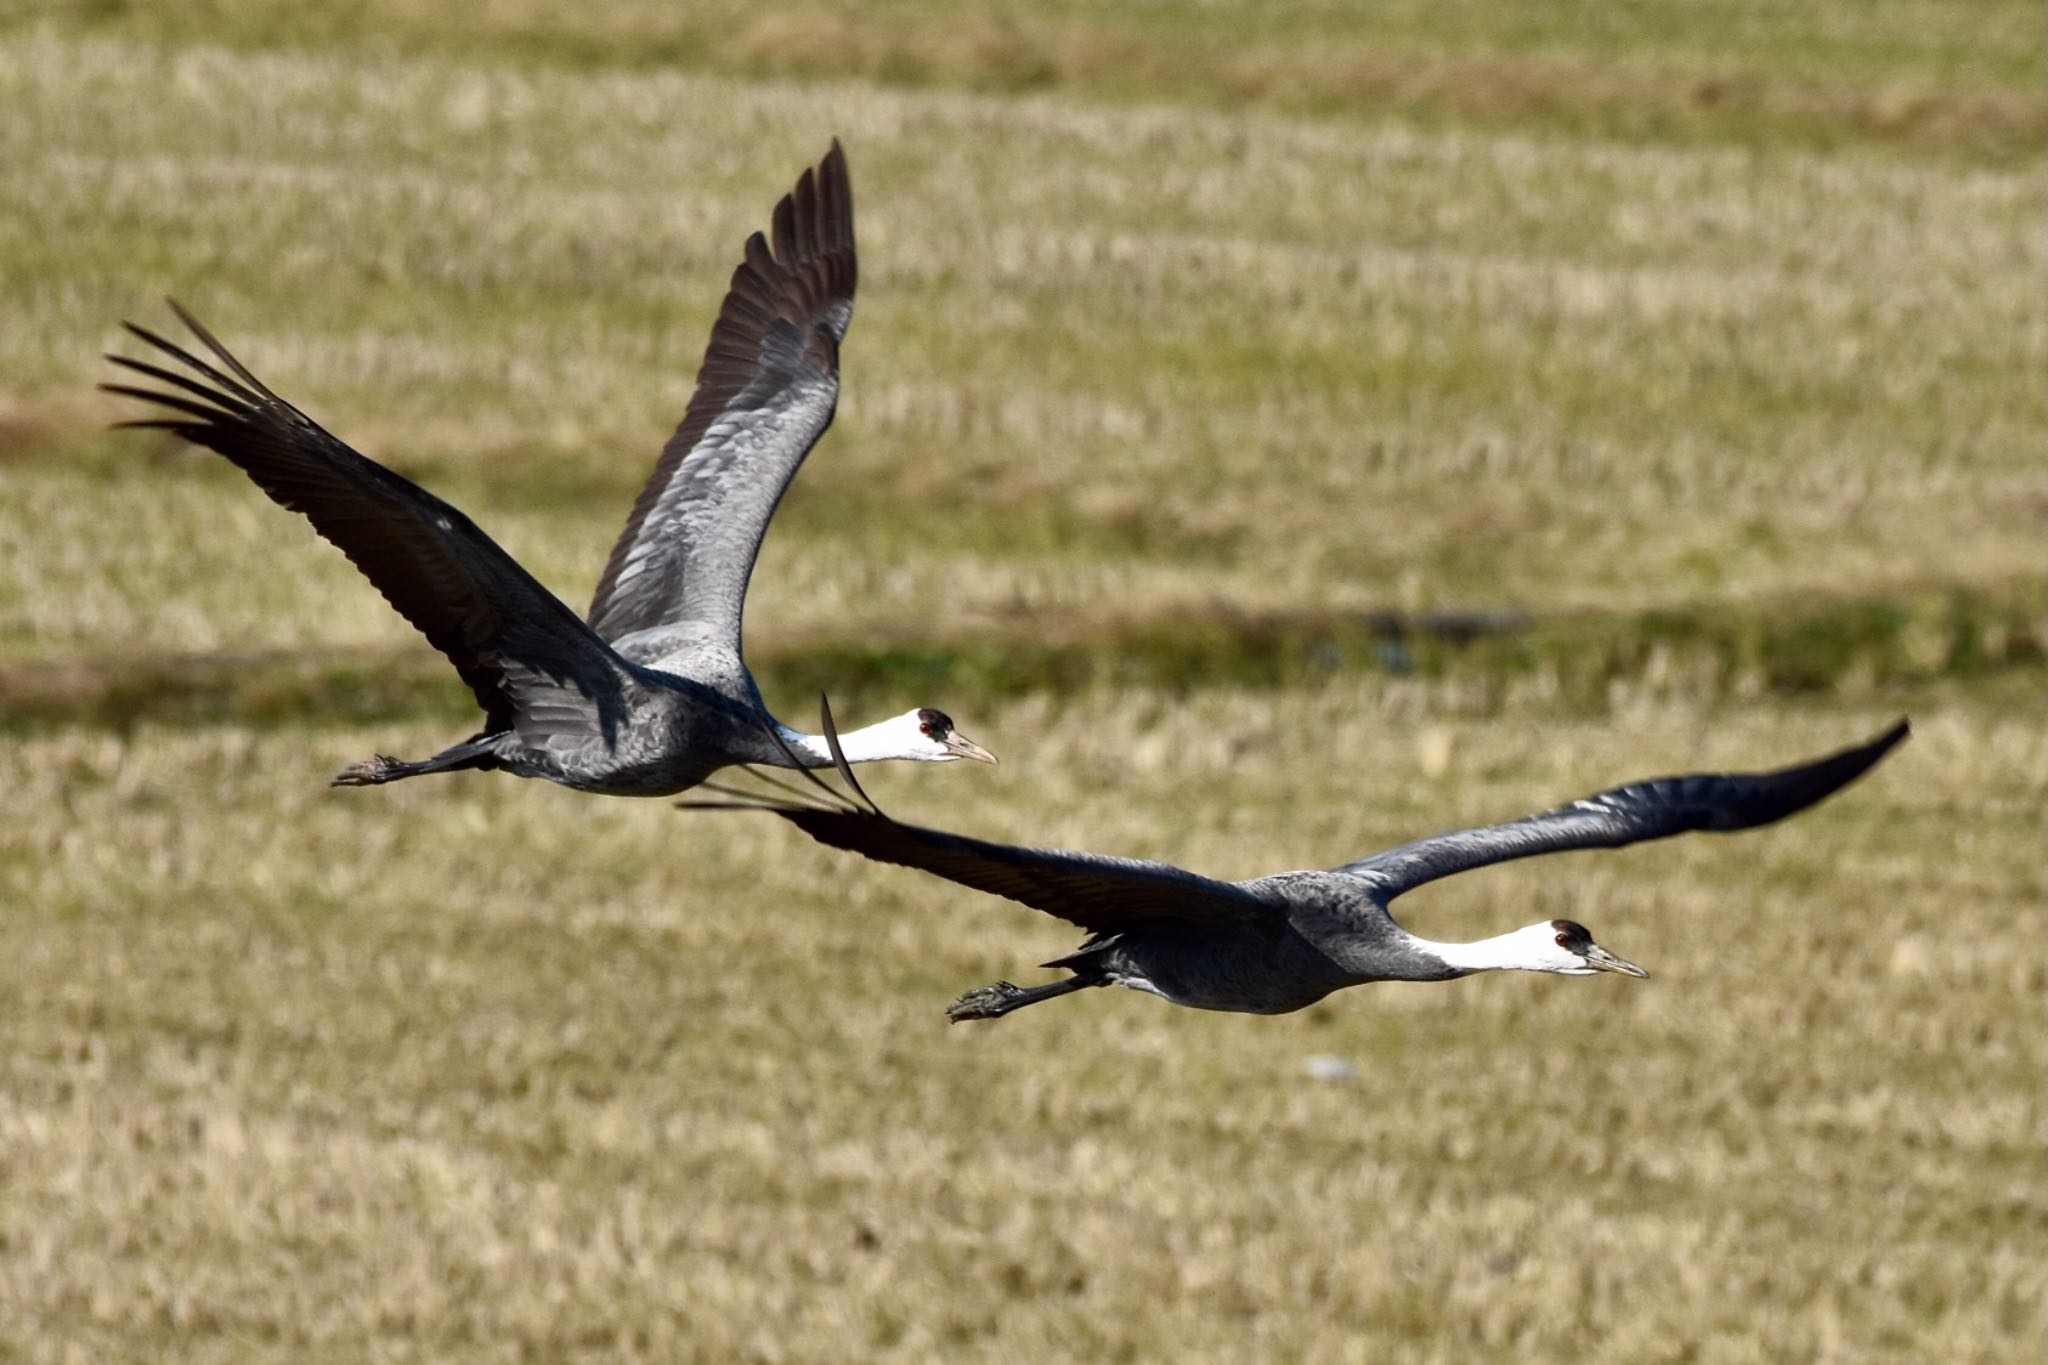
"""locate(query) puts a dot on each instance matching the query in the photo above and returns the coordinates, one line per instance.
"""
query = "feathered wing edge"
(1097, 892)
(453, 583)
(784, 313)
(1633, 813)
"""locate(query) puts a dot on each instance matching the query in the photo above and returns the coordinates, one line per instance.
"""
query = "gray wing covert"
(765, 394)
(1655, 809)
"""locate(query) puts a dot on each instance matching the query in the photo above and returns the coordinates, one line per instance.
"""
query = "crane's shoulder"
(1311, 888)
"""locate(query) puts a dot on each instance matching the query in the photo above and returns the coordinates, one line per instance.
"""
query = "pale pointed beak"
(960, 746)
(1600, 959)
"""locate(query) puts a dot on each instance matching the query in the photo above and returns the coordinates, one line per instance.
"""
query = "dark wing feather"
(1655, 809)
(1102, 894)
(764, 395)
(470, 599)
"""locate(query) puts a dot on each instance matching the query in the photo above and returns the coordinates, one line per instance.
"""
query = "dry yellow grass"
(1147, 356)
(476, 1069)
(1925, 74)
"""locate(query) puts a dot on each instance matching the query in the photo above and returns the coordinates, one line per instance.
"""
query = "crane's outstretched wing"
(1104, 895)
(1655, 809)
(765, 394)
(501, 629)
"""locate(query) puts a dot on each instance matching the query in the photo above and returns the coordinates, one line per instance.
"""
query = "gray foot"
(368, 773)
(986, 1002)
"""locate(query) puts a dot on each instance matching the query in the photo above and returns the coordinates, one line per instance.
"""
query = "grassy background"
(1693, 351)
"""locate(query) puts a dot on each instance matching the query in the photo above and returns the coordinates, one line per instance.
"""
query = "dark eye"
(1564, 940)
(926, 730)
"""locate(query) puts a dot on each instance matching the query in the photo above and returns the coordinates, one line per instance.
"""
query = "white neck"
(865, 745)
(1502, 952)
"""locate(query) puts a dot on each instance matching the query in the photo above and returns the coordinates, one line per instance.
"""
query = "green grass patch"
(1577, 664)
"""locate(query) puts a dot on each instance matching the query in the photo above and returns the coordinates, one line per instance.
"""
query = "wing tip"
(1868, 754)
(835, 179)
(1808, 784)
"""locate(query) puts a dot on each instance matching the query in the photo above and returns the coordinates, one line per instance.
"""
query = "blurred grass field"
(1696, 348)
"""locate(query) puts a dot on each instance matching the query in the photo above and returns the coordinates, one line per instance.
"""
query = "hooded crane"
(1279, 943)
(651, 696)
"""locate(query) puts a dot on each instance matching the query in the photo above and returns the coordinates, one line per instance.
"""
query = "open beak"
(960, 746)
(1600, 959)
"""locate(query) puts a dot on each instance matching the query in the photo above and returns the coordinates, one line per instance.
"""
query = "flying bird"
(1275, 944)
(650, 695)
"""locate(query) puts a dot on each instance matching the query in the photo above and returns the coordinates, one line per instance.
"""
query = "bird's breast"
(1245, 973)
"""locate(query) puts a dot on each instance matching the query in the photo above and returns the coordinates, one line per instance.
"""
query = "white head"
(925, 735)
(1563, 946)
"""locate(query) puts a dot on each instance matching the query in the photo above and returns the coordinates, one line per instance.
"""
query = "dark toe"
(983, 1002)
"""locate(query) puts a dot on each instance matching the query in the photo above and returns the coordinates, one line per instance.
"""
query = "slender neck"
(1502, 952)
(864, 745)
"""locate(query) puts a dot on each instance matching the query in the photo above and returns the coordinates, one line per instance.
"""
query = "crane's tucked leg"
(479, 751)
(993, 1002)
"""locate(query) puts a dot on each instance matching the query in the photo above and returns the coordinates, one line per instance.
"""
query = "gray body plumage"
(649, 696)
(677, 730)
(1274, 944)
(1323, 931)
